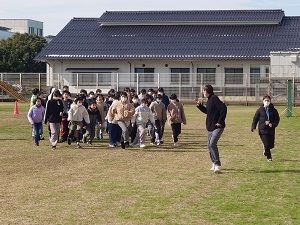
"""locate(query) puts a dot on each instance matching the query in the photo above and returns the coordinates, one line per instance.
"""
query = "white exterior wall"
(21, 25)
(159, 66)
(163, 68)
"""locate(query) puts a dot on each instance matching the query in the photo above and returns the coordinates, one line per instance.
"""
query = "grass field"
(156, 185)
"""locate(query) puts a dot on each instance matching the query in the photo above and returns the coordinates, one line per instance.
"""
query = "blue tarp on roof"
(84, 38)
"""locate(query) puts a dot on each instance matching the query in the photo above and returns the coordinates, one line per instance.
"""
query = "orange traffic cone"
(16, 110)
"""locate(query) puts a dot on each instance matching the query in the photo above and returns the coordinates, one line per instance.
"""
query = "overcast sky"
(57, 13)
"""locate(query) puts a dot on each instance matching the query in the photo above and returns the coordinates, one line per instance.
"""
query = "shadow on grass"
(275, 171)
(14, 139)
(238, 145)
(259, 171)
(170, 150)
(290, 160)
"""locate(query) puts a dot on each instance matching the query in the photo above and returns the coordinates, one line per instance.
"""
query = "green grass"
(157, 185)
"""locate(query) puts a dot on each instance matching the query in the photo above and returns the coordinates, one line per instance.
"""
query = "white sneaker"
(142, 145)
(176, 144)
(217, 169)
(213, 167)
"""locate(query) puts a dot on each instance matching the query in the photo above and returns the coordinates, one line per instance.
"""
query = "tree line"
(17, 54)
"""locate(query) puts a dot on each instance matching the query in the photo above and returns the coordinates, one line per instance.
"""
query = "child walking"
(103, 108)
(35, 117)
(67, 102)
(35, 92)
(114, 131)
(133, 132)
(95, 120)
(122, 111)
(160, 117)
(54, 112)
(176, 116)
(76, 115)
(141, 117)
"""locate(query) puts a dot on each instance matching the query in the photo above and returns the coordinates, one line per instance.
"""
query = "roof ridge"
(294, 17)
(190, 17)
(85, 18)
(197, 11)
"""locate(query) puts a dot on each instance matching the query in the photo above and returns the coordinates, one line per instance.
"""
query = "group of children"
(124, 116)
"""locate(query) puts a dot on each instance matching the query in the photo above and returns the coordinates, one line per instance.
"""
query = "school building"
(237, 51)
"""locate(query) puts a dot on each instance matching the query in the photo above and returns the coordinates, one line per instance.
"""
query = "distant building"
(49, 38)
(23, 26)
(5, 33)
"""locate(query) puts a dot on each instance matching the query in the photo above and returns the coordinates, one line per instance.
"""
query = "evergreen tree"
(17, 53)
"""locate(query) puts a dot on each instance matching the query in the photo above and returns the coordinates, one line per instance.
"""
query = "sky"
(55, 14)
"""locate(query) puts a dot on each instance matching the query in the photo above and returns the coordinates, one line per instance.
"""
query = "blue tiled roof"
(84, 38)
(194, 15)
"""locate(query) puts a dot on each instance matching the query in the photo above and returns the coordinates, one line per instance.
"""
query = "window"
(184, 73)
(208, 75)
(31, 30)
(39, 32)
(90, 79)
(234, 75)
(104, 78)
(84, 78)
(254, 75)
(146, 75)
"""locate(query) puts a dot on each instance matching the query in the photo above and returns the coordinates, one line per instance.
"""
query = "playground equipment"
(11, 92)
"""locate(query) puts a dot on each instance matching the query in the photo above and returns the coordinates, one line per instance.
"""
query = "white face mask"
(266, 103)
(79, 103)
(160, 93)
(205, 94)
(123, 99)
(173, 100)
(135, 100)
(91, 96)
(158, 100)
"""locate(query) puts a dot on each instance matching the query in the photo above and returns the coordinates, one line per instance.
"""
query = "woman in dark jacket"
(268, 119)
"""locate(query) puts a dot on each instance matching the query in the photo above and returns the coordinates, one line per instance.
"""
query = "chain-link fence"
(242, 88)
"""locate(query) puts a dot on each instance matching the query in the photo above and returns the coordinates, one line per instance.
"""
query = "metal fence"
(242, 88)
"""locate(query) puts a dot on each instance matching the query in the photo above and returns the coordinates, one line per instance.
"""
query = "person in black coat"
(67, 102)
(53, 115)
(216, 112)
(268, 119)
(95, 120)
